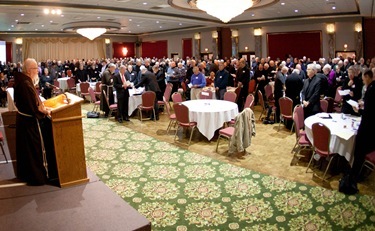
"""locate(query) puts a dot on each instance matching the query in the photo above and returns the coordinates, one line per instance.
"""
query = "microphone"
(51, 85)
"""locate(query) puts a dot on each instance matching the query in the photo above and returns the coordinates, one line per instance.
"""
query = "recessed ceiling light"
(296, 11)
(283, 3)
(46, 11)
(138, 25)
(9, 29)
(22, 14)
(333, 7)
(130, 31)
(157, 21)
(36, 29)
(98, 17)
(62, 15)
(16, 20)
(252, 15)
(51, 21)
(130, 19)
(42, 25)
(12, 25)
(180, 24)
(58, 11)
(161, 27)
(145, 3)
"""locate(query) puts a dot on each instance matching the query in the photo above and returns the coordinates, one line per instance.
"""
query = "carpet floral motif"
(179, 190)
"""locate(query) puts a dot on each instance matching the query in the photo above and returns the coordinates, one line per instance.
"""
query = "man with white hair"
(31, 153)
(107, 87)
(311, 92)
(121, 83)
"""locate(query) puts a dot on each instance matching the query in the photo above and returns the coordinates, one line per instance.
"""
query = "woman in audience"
(45, 84)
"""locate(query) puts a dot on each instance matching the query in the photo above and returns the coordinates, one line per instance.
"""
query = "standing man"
(311, 92)
(121, 84)
(197, 81)
(243, 79)
(148, 79)
(221, 81)
(293, 85)
(107, 87)
(32, 164)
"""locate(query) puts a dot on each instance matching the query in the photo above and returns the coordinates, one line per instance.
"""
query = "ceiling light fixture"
(92, 30)
(225, 10)
(52, 11)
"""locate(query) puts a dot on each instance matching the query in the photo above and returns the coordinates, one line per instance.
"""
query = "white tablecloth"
(210, 115)
(134, 100)
(63, 83)
(342, 132)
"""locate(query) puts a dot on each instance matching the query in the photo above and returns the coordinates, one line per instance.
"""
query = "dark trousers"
(123, 106)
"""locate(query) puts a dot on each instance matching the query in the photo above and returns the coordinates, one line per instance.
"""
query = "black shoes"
(127, 119)
(120, 121)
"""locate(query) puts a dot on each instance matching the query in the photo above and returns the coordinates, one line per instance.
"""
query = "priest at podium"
(31, 125)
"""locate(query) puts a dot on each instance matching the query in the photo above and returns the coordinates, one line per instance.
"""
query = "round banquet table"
(63, 82)
(342, 132)
(210, 114)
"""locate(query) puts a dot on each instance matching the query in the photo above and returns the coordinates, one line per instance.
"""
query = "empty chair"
(369, 161)
(1, 146)
(71, 85)
(331, 103)
(205, 95)
(269, 95)
(323, 105)
(322, 139)
(252, 86)
(97, 89)
(337, 101)
(85, 88)
(167, 95)
(93, 100)
(112, 107)
(172, 117)
(302, 142)
(183, 120)
(148, 102)
(230, 96)
(249, 103)
(176, 97)
(56, 89)
(286, 110)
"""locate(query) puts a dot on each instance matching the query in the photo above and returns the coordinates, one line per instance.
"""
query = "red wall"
(158, 49)
(298, 44)
(226, 43)
(187, 47)
(118, 48)
(8, 50)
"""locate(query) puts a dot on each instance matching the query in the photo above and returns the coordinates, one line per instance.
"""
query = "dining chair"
(84, 88)
(148, 101)
(249, 103)
(230, 96)
(286, 111)
(172, 117)
(97, 89)
(369, 162)
(323, 105)
(176, 97)
(338, 100)
(184, 89)
(269, 95)
(183, 120)
(56, 90)
(302, 142)
(322, 138)
(205, 94)
(166, 96)
(71, 85)
(252, 86)
(264, 108)
(112, 107)
(2, 146)
(93, 100)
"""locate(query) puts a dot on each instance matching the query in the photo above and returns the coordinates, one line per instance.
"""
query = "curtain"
(63, 48)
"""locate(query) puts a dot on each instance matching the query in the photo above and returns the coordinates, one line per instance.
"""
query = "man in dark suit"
(121, 85)
(311, 92)
(293, 85)
(243, 79)
(148, 79)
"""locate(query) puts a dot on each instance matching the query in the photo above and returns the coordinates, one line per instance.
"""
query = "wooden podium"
(68, 139)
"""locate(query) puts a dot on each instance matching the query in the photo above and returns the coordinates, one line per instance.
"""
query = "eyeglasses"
(33, 67)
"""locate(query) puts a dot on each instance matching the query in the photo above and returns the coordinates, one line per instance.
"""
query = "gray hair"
(327, 67)
(296, 71)
(312, 66)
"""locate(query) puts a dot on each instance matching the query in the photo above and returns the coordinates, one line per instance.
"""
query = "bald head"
(30, 68)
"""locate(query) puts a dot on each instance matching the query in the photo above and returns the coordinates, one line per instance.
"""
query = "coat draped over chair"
(244, 130)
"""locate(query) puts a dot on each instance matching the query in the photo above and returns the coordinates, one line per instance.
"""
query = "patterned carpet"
(180, 190)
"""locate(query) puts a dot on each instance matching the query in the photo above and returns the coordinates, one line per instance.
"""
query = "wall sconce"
(107, 41)
(124, 51)
(206, 49)
(215, 35)
(19, 41)
(197, 36)
(257, 31)
(358, 27)
(345, 46)
(234, 33)
(246, 48)
(330, 28)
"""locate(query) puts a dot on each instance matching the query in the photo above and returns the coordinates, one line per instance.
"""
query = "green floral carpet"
(180, 190)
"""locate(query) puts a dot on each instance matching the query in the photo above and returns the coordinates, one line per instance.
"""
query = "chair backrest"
(148, 98)
(286, 106)
(323, 105)
(249, 103)
(97, 86)
(338, 97)
(56, 83)
(182, 113)
(183, 86)
(84, 87)
(230, 96)
(92, 95)
(167, 106)
(268, 91)
(69, 73)
(298, 119)
(321, 137)
(167, 92)
(260, 100)
(71, 82)
(331, 103)
(176, 97)
(252, 86)
(106, 98)
(205, 95)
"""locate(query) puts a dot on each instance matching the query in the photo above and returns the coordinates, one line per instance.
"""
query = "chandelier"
(224, 10)
(91, 30)
(91, 33)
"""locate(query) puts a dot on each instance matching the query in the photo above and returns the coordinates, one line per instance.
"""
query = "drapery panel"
(63, 48)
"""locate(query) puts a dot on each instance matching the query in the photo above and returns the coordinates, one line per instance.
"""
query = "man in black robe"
(311, 92)
(107, 87)
(30, 151)
(243, 79)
